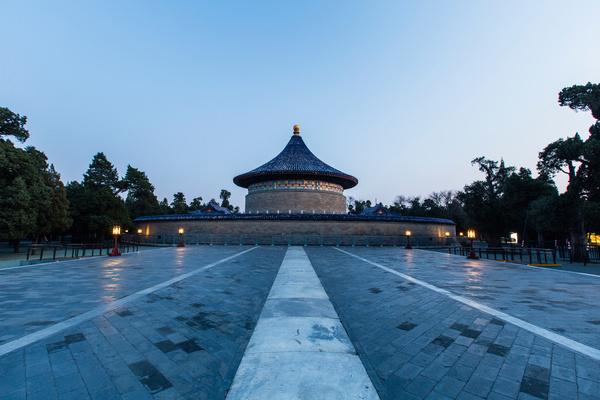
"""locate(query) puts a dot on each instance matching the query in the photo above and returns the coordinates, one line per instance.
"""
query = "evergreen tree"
(196, 204)
(32, 197)
(12, 124)
(16, 218)
(224, 196)
(179, 205)
(141, 199)
(164, 206)
(95, 204)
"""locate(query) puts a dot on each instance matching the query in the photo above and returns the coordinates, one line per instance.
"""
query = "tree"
(12, 124)
(16, 219)
(545, 217)
(196, 204)
(359, 206)
(224, 196)
(520, 191)
(102, 174)
(164, 206)
(50, 197)
(95, 204)
(179, 205)
(583, 98)
(32, 197)
(140, 199)
(587, 98)
(482, 199)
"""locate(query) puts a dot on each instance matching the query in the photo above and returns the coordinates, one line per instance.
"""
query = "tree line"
(510, 199)
(36, 205)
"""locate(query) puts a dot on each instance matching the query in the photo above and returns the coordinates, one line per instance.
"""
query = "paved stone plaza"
(300, 323)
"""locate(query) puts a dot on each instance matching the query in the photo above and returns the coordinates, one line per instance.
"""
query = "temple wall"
(298, 201)
(422, 232)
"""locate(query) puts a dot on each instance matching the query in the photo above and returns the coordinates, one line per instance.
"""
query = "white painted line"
(521, 265)
(545, 333)
(95, 312)
(299, 348)
(58, 262)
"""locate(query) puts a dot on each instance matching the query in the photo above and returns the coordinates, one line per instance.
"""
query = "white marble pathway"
(299, 349)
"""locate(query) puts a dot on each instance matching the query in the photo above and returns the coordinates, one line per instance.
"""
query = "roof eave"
(247, 179)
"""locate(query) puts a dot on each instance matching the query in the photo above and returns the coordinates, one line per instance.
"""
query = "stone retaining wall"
(422, 232)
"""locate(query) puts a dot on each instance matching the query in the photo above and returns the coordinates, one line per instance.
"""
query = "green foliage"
(32, 198)
(101, 174)
(224, 196)
(17, 220)
(179, 206)
(563, 155)
(140, 199)
(582, 98)
(196, 204)
(580, 160)
(357, 206)
(94, 203)
(501, 203)
(12, 124)
(482, 200)
(164, 206)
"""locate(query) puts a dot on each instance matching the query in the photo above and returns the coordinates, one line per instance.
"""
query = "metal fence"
(585, 254)
(59, 252)
(290, 240)
(529, 255)
(522, 255)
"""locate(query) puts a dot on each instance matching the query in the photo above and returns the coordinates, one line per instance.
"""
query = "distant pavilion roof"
(212, 208)
(378, 209)
(295, 161)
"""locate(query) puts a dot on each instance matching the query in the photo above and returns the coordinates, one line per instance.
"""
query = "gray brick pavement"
(41, 295)
(563, 302)
(184, 341)
(419, 344)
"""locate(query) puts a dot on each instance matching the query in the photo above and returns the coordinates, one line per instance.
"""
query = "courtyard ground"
(216, 322)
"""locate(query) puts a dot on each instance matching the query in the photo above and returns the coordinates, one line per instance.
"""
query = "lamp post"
(471, 235)
(408, 234)
(116, 231)
(181, 243)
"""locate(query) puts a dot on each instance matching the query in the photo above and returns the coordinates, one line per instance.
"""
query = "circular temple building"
(294, 199)
(295, 182)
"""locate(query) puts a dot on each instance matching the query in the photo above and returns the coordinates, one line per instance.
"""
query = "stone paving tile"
(183, 341)
(419, 344)
(565, 303)
(35, 297)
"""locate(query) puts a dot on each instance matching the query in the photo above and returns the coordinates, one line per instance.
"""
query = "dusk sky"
(401, 95)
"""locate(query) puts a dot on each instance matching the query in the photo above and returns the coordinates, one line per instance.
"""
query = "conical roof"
(295, 161)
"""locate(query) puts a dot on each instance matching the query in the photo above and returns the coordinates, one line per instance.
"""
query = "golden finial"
(297, 129)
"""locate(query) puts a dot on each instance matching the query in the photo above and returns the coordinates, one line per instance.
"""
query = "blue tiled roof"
(378, 209)
(295, 161)
(293, 217)
(212, 207)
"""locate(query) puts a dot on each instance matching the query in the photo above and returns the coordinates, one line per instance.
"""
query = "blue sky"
(400, 94)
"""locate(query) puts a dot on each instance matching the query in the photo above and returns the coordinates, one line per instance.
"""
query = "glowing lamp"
(116, 231)
(472, 235)
(408, 233)
(181, 243)
(139, 231)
